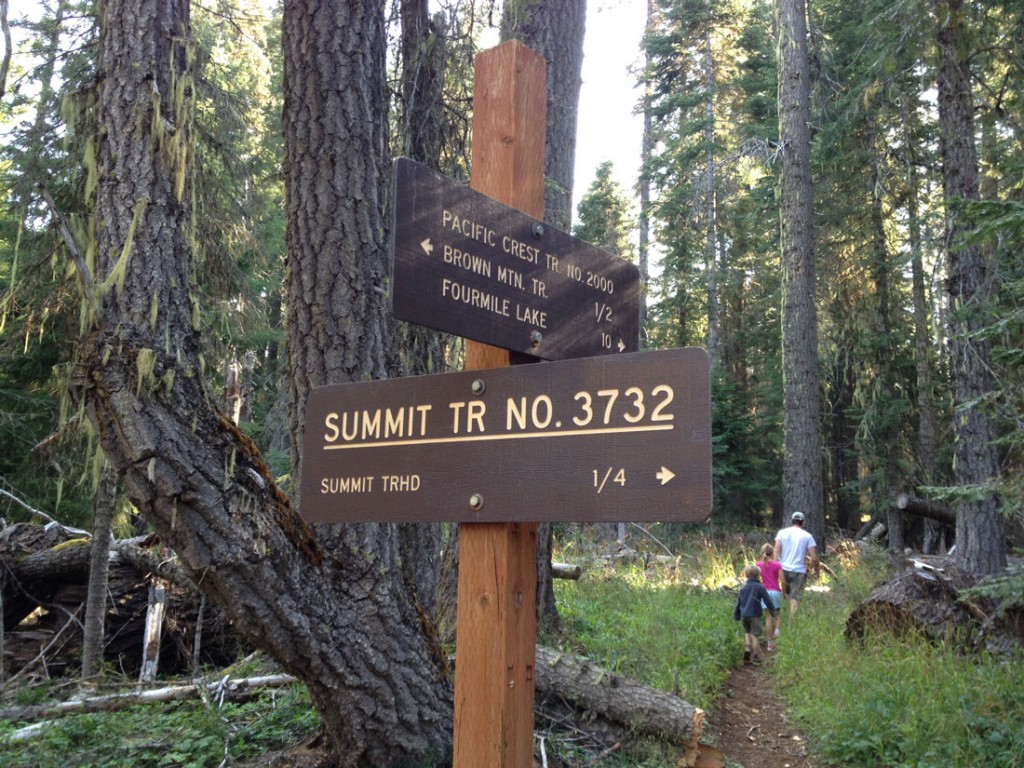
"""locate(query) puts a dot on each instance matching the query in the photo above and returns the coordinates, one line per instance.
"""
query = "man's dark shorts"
(752, 625)
(795, 581)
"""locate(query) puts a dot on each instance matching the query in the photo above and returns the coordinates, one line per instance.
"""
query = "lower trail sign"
(616, 438)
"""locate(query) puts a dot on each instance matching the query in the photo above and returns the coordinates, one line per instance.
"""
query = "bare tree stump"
(44, 574)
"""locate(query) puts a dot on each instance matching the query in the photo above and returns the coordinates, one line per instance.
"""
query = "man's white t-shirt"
(795, 543)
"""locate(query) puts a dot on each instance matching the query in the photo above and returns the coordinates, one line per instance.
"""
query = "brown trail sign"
(614, 438)
(467, 264)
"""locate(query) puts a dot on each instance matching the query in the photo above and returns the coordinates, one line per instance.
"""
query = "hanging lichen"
(172, 136)
(120, 270)
(99, 466)
(145, 365)
(154, 310)
(94, 467)
(92, 168)
(182, 90)
(60, 493)
(229, 469)
(8, 297)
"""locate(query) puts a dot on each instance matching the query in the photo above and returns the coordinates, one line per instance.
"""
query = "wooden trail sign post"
(601, 434)
(496, 621)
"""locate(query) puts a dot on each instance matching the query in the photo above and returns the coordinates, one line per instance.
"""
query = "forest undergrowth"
(662, 614)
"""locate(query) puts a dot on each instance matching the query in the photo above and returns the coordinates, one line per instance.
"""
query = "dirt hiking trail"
(749, 724)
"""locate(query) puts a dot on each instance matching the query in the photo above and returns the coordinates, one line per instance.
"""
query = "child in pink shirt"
(770, 570)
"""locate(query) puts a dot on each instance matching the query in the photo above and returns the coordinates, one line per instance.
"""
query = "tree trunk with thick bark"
(923, 355)
(555, 31)
(337, 172)
(980, 538)
(423, 126)
(885, 389)
(424, 130)
(644, 183)
(711, 260)
(802, 469)
(199, 481)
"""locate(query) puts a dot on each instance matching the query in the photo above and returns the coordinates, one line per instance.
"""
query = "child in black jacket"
(749, 610)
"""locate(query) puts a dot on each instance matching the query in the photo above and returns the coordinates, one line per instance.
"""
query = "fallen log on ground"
(613, 708)
(566, 571)
(872, 530)
(925, 508)
(224, 689)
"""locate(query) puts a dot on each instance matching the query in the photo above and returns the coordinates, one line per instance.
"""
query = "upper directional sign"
(613, 438)
(469, 265)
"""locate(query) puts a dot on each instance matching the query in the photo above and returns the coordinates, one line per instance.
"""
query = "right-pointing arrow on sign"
(665, 475)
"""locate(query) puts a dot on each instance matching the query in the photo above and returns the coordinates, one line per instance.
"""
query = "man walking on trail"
(794, 549)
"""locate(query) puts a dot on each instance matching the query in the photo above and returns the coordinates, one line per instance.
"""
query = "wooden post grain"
(496, 626)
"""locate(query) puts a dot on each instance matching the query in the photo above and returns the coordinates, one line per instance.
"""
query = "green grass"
(898, 703)
(654, 629)
(181, 735)
(887, 702)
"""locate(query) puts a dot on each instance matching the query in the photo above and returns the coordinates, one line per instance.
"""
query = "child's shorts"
(752, 625)
(776, 597)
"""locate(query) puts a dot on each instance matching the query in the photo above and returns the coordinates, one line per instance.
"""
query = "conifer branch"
(69, 242)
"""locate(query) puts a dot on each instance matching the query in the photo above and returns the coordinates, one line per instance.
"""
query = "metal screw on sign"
(476, 502)
(478, 386)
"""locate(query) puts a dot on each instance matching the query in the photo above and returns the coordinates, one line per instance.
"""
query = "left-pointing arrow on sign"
(665, 475)
(427, 247)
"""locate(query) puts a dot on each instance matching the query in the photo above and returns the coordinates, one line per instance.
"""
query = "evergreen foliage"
(878, 217)
(879, 223)
(603, 215)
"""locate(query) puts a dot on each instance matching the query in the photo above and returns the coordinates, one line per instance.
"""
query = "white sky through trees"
(609, 127)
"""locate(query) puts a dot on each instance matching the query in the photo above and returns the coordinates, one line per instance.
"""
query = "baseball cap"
(798, 517)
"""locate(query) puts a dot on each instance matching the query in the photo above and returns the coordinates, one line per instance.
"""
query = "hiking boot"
(770, 646)
(746, 656)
